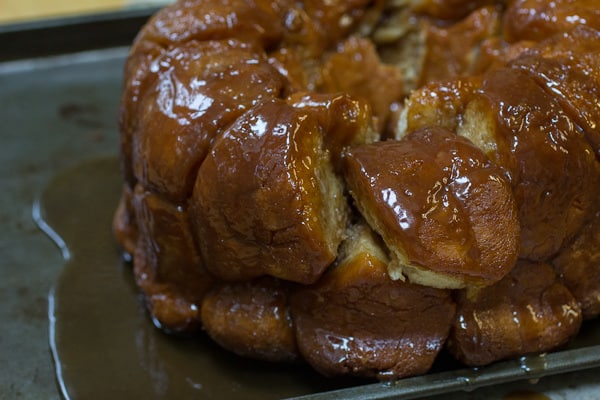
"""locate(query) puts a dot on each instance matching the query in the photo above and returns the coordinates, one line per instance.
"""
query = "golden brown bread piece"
(343, 120)
(251, 319)
(447, 9)
(243, 84)
(357, 321)
(536, 118)
(528, 311)
(540, 19)
(167, 265)
(578, 267)
(267, 201)
(452, 51)
(193, 99)
(446, 213)
(441, 104)
(551, 167)
(567, 66)
(124, 222)
(344, 71)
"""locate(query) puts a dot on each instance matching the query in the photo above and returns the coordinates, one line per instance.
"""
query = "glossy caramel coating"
(181, 22)
(449, 9)
(355, 68)
(345, 121)
(167, 265)
(540, 19)
(200, 89)
(567, 66)
(124, 222)
(529, 311)
(254, 21)
(552, 169)
(495, 52)
(138, 78)
(251, 319)
(451, 51)
(444, 210)
(239, 118)
(357, 321)
(266, 201)
(578, 267)
(440, 104)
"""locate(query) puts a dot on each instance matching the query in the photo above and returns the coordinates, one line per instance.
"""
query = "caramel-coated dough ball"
(445, 211)
(358, 321)
(266, 200)
(529, 311)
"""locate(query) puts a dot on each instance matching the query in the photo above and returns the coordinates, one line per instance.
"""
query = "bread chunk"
(538, 20)
(193, 99)
(578, 267)
(551, 167)
(567, 66)
(267, 201)
(529, 311)
(167, 265)
(357, 321)
(251, 319)
(444, 210)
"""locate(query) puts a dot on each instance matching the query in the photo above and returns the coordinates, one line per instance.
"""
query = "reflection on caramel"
(440, 104)
(344, 121)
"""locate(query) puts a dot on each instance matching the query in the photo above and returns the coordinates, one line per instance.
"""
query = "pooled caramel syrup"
(103, 342)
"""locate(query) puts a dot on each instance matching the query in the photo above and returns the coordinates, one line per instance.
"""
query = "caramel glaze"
(344, 71)
(453, 50)
(529, 311)
(537, 20)
(196, 67)
(450, 9)
(440, 104)
(578, 266)
(251, 319)
(201, 88)
(230, 163)
(192, 74)
(255, 23)
(258, 201)
(357, 321)
(344, 121)
(124, 223)
(173, 295)
(567, 66)
(430, 195)
(551, 167)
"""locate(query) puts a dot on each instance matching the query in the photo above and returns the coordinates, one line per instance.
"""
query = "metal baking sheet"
(58, 113)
